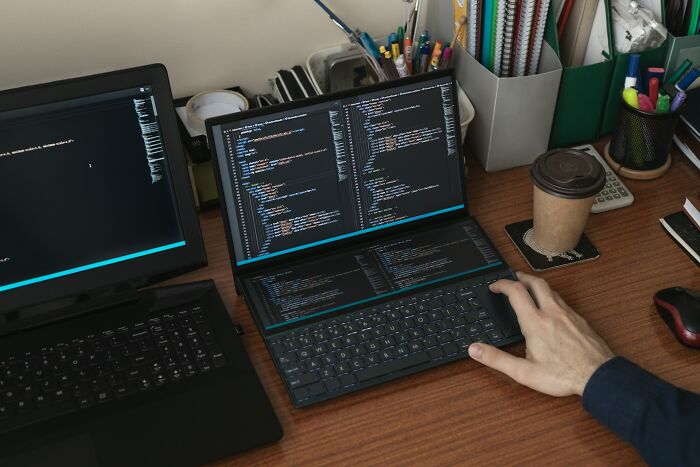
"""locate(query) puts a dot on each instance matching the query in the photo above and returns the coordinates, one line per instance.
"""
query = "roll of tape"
(210, 104)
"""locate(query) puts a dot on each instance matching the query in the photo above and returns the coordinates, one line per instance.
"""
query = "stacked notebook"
(506, 36)
(684, 227)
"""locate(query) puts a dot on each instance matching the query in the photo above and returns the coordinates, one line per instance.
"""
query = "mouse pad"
(521, 234)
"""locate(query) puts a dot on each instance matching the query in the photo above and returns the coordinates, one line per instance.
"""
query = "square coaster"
(521, 234)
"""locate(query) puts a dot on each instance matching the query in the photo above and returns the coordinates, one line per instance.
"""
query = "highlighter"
(395, 51)
(645, 103)
(662, 104)
(629, 95)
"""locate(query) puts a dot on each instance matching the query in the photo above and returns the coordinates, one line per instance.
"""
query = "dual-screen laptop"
(350, 240)
(350, 235)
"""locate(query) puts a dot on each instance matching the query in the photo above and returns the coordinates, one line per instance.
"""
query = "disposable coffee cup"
(566, 181)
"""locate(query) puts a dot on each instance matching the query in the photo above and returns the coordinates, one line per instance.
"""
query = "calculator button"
(608, 198)
(623, 192)
(600, 200)
(608, 185)
(616, 196)
(604, 192)
(616, 183)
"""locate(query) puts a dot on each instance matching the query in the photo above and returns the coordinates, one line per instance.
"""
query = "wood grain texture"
(462, 413)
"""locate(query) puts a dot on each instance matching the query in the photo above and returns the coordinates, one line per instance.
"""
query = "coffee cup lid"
(568, 173)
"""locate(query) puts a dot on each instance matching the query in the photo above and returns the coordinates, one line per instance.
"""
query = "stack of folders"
(684, 227)
(506, 36)
(683, 17)
(575, 21)
(687, 136)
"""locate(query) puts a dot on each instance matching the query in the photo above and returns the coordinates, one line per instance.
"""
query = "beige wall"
(204, 43)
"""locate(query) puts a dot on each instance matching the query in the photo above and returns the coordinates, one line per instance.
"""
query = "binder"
(584, 89)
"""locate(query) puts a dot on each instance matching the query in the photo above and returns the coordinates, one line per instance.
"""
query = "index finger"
(518, 296)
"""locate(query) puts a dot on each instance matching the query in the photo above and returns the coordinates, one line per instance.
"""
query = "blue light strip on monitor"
(351, 234)
(388, 294)
(87, 267)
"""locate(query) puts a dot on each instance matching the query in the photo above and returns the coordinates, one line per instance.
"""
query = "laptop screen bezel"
(220, 159)
(136, 272)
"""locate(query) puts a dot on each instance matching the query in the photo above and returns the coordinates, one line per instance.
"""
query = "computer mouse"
(680, 308)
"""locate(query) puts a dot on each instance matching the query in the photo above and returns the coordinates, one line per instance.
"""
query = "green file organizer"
(651, 57)
(583, 93)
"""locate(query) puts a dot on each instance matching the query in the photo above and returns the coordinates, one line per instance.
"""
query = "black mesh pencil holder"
(641, 143)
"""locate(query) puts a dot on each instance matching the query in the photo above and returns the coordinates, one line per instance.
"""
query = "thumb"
(499, 360)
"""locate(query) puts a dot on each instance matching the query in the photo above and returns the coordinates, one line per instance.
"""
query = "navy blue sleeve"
(660, 420)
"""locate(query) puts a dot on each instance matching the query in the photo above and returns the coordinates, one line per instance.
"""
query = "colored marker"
(662, 104)
(678, 101)
(424, 36)
(632, 71)
(437, 52)
(446, 56)
(408, 53)
(655, 72)
(654, 90)
(645, 103)
(688, 79)
(395, 52)
(629, 95)
(399, 39)
(390, 39)
(680, 71)
(424, 53)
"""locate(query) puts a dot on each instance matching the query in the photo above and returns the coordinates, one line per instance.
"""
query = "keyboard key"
(341, 368)
(392, 366)
(303, 380)
(332, 385)
(435, 353)
(450, 348)
(348, 380)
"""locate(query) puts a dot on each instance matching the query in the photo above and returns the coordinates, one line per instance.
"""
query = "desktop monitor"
(94, 191)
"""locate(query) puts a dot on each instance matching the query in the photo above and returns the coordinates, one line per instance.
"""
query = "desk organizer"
(513, 115)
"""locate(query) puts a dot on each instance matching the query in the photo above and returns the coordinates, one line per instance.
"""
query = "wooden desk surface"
(465, 413)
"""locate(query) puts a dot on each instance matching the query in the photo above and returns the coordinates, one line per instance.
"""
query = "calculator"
(614, 194)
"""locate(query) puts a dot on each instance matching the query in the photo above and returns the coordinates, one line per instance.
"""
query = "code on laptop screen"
(327, 171)
(364, 275)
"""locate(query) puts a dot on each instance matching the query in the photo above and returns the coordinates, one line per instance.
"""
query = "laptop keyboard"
(343, 354)
(113, 364)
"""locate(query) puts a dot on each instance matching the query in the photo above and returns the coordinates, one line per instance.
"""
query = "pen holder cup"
(641, 143)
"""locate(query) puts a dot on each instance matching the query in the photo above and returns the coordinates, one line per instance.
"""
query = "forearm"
(661, 421)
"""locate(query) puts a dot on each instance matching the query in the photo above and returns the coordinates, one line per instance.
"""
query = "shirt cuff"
(618, 393)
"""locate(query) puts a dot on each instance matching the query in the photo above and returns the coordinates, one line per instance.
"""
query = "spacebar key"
(392, 366)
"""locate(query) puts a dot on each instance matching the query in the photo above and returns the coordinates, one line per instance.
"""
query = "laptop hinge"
(55, 310)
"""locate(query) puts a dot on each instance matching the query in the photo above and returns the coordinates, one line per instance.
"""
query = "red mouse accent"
(685, 336)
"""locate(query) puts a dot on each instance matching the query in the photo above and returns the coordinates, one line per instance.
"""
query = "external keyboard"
(346, 353)
(95, 369)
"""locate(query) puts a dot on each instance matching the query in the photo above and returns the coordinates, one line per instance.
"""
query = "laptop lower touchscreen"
(306, 291)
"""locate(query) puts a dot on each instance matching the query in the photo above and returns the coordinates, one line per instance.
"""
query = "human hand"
(562, 350)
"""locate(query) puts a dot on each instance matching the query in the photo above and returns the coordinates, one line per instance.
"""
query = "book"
(691, 207)
(688, 142)
(684, 233)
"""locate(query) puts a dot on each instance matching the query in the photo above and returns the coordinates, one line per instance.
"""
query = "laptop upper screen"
(85, 184)
(340, 167)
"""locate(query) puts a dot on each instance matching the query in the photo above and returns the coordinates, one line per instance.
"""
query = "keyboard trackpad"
(502, 312)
